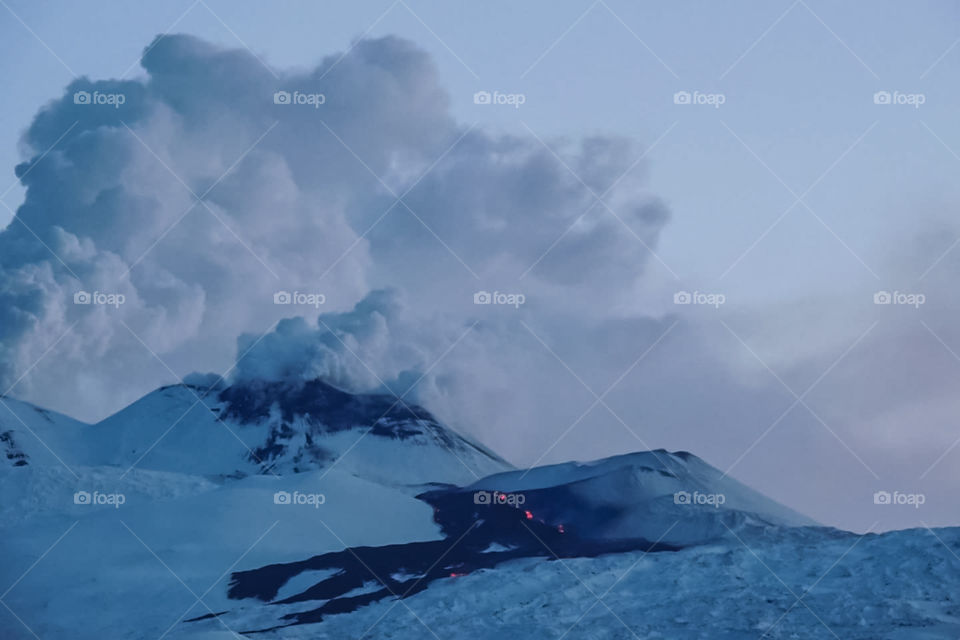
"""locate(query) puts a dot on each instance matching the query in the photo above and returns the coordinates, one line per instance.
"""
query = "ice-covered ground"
(802, 583)
(89, 571)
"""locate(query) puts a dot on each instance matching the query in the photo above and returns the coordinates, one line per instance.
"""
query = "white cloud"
(293, 202)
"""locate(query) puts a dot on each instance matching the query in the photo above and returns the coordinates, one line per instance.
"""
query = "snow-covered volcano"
(646, 501)
(156, 503)
(675, 498)
(297, 511)
(254, 428)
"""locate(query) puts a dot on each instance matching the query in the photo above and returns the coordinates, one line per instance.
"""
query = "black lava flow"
(477, 536)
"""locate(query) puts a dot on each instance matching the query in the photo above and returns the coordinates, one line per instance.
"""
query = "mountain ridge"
(263, 428)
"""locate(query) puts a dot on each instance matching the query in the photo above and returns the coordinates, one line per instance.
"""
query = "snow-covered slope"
(135, 569)
(116, 529)
(304, 511)
(268, 428)
(791, 584)
(674, 498)
(388, 439)
(653, 501)
(25, 430)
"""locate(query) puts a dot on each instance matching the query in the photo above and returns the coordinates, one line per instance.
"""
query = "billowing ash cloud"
(215, 200)
(337, 347)
(183, 202)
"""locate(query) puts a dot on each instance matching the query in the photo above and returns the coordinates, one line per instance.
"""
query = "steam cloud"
(203, 192)
(206, 193)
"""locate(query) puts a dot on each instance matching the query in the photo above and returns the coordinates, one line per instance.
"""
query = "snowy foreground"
(804, 584)
(275, 513)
